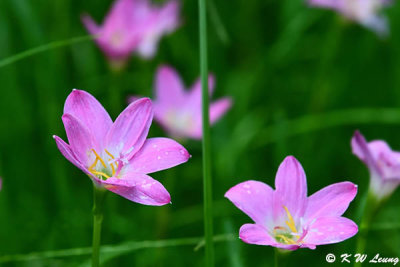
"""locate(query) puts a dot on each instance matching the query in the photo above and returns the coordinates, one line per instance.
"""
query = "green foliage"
(302, 81)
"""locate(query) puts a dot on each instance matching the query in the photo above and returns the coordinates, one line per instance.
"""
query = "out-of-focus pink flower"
(117, 156)
(133, 25)
(365, 12)
(383, 164)
(179, 111)
(286, 218)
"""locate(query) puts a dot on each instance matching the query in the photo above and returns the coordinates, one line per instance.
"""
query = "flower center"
(106, 169)
(288, 234)
(182, 121)
(116, 38)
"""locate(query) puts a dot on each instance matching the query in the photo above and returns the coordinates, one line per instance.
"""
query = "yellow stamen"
(112, 164)
(99, 158)
(290, 222)
(99, 173)
(286, 240)
(108, 153)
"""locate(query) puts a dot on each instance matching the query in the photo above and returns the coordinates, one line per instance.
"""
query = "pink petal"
(130, 129)
(90, 112)
(90, 25)
(255, 234)
(291, 189)
(360, 148)
(80, 139)
(67, 152)
(147, 48)
(334, 4)
(158, 154)
(139, 188)
(253, 198)
(169, 87)
(120, 18)
(331, 201)
(195, 91)
(329, 230)
(219, 108)
(159, 22)
(168, 19)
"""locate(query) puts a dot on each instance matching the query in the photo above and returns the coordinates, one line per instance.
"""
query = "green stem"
(98, 200)
(369, 209)
(280, 257)
(207, 181)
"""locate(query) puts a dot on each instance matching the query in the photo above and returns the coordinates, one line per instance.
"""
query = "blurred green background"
(302, 81)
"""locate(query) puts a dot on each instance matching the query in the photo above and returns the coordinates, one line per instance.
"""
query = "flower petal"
(90, 112)
(158, 154)
(130, 129)
(360, 148)
(258, 235)
(80, 139)
(329, 230)
(67, 152)
(195, 91)
(139, 188)
(163, 21)
(169, 87)
(255, 234)
(219, 108)
(253, 198)
(90, 24)
(291, 189)
(330, 201)
(335, 4)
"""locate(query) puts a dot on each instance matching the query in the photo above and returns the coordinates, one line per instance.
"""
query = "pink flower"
(365, 12)
(133, 25)
(179, 111)
(286, 218)
(117, 156)
(383, 164)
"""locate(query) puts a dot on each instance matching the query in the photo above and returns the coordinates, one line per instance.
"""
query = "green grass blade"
(112, 251)
(36, 50)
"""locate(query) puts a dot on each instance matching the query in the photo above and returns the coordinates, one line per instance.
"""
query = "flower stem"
(207, 181)
(369, 209)
(98, 200)
(280, 257)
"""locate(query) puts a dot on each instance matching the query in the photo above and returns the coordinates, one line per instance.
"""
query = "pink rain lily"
(365, 12)
(133, 25)
(286, 218)
(179, 111)
(383, 164)
(117, 156)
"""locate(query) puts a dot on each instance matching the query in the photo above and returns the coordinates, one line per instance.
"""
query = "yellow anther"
(103, 163)
(99, 158)
(94, 164)
(290, 222)
(108, 153)
(100, 173)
